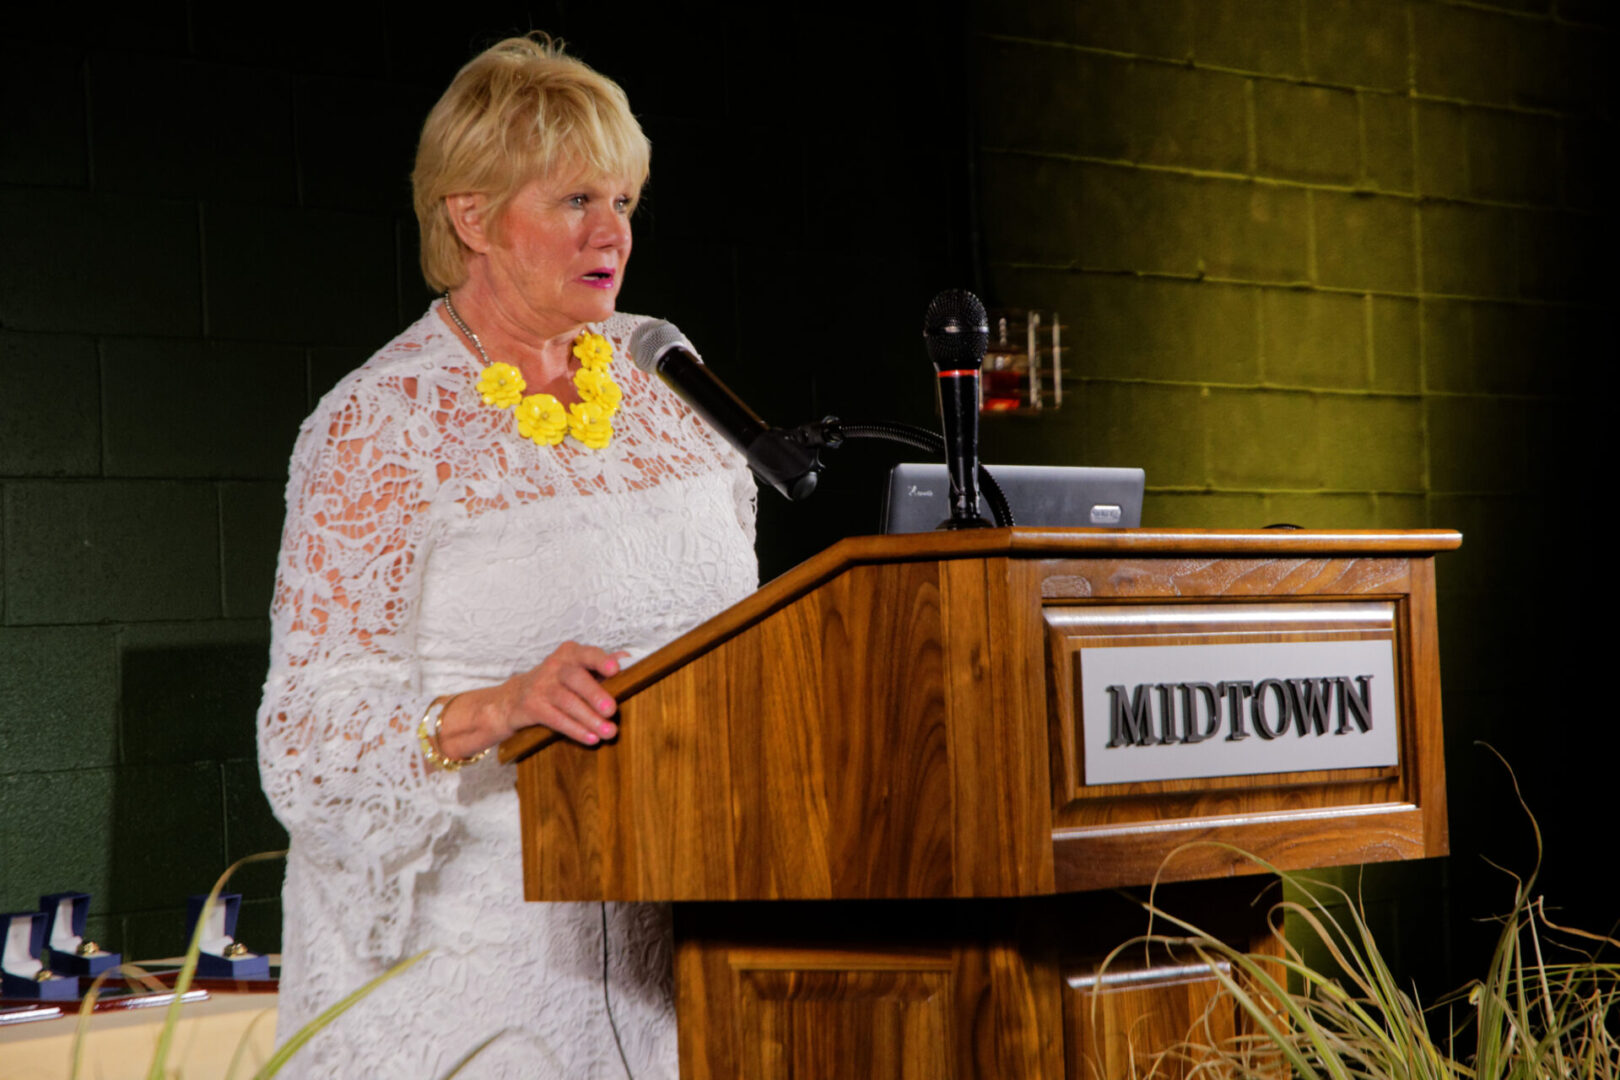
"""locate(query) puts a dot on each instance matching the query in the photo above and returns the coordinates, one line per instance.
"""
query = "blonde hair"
(519, 110)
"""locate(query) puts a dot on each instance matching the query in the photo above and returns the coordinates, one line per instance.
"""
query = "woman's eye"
(622, 204)
(578, 201)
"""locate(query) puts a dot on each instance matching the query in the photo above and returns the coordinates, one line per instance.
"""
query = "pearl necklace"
(541, 417)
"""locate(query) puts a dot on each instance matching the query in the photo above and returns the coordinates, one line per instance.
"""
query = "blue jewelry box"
(221, 955)
(23, 973)
(66, 950)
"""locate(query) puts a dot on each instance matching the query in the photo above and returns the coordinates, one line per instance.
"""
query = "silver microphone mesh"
(652, 339)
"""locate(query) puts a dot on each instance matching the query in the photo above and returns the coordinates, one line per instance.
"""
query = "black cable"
(930, 442)
(607, 1001)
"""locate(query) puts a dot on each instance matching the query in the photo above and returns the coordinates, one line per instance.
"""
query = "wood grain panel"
(781, 816)
(1020, 1016)
(884, 730)
(977, 817)
(694, 764)
(1019, 668)
(1213, 847)
(1209, 576)
(564, 850)
(890, 1023)
(642, 773)
(848, 990)
(656, 785)
(1291, 615)
(644, 817)
(998, 734)
(1421, 633)
(705, 1002)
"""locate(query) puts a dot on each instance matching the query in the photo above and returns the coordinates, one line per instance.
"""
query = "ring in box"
(220, 955)
(23, 974)
(66, 949)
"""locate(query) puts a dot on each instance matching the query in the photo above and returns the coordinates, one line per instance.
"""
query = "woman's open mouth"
(600, 279)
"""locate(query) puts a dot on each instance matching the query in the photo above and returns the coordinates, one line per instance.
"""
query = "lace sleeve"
(337, 741)
(745, 495)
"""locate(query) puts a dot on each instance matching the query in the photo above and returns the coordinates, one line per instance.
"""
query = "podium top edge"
(1018, 542)
(1028, 541)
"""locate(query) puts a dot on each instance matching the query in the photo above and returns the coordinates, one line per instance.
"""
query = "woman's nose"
(612, 229)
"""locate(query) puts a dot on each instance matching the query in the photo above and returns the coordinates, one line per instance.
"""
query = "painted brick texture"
(1341, 263)
(1305, 197)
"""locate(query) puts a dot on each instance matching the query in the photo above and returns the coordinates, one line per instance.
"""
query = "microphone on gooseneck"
(956, 332)
(659, 348)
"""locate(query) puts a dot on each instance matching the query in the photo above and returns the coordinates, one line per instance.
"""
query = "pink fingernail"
(591, 738)
(605, 707)
(608, 731)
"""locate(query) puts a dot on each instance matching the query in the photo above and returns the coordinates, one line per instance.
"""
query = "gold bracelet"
(427, 733)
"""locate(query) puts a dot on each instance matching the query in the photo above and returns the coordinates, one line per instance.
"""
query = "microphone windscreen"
(652, 339)
(956, 330)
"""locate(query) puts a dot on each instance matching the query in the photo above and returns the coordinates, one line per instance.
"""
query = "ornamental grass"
(1546, 1007)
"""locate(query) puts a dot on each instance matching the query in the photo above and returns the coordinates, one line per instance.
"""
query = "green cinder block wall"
(1342, 263)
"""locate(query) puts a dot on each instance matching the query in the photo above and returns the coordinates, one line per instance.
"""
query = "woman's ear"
(469, 214)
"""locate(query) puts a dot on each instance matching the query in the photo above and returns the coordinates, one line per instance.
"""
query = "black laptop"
(919, 496)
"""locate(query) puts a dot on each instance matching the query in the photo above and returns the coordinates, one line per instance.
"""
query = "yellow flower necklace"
(541, 417)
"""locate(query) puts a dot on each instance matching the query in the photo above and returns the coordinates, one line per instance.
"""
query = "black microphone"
(956, 332)
(659, 348)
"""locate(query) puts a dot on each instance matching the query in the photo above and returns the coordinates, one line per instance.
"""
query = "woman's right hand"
(562, 693)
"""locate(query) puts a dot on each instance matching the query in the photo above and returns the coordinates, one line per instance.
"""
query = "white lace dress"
(429, 549)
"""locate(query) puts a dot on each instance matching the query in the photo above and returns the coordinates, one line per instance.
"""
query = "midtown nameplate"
(1171, 712)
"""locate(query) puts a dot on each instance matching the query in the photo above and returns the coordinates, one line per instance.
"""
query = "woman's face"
(562, 248)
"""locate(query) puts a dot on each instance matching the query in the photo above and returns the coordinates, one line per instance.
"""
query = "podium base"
(946, 988)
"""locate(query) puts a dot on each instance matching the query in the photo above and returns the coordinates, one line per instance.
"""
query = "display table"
(121, 1042)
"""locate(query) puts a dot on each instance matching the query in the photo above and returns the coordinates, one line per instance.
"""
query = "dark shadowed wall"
(1334, 262)
(1343, 263)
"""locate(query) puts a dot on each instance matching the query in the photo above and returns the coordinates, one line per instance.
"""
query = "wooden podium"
(865, 787)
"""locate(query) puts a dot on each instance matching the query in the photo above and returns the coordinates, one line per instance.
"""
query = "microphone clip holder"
(789, 459)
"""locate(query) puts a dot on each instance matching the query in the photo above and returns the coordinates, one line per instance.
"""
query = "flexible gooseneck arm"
(807, 441)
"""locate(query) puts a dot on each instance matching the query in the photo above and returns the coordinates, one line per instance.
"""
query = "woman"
(496, 486)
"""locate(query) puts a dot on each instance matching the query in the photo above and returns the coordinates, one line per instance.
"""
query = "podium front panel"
(1346, 806)
(898, 718)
